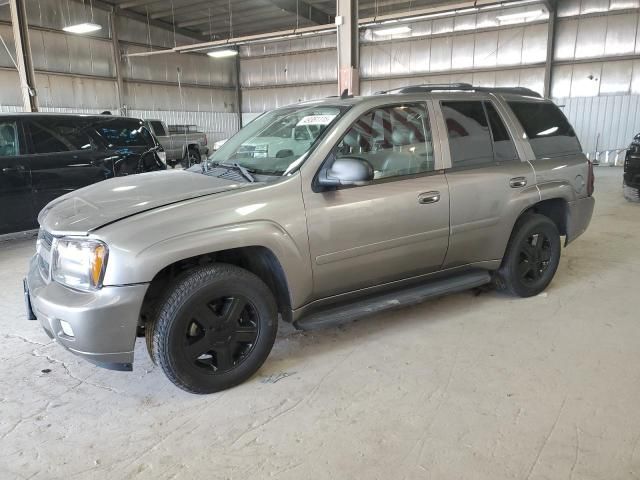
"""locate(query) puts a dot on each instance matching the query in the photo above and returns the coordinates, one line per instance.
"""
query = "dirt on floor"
(464, 387)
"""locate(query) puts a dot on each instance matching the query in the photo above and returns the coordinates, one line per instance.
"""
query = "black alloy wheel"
(531, 258)
(221, 333)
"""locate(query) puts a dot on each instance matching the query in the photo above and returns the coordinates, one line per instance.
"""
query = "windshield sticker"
(316, 120)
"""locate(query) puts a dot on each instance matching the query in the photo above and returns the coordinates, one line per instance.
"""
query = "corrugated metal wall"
(596, 71)
(77, 74)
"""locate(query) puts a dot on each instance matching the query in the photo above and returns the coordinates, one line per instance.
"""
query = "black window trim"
(316, 188)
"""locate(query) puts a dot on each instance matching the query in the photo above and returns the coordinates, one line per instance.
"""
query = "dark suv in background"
(44, 156)
(631, 182)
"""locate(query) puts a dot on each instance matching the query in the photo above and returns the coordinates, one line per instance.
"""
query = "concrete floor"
(473, 387)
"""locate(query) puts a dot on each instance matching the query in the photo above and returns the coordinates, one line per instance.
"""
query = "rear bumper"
(103, 322)
(578, 217)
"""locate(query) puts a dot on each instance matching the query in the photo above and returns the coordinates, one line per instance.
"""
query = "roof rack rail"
(467, 87)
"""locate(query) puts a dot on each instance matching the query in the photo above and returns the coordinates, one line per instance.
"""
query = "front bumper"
(104, 322)
(579, 217)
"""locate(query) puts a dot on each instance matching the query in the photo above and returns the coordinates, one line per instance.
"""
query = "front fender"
(142, 266)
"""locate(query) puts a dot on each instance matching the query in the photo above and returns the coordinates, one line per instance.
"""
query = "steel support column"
(348, 46)
(23, 59)
(238, 91)
(117, 62)
(551, 44)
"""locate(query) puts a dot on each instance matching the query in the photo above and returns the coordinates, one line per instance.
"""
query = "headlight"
(79, 263)
(163, 157)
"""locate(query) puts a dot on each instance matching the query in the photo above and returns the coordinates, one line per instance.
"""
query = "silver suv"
(318, 212)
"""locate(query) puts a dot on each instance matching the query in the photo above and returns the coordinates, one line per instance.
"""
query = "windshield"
(278, 141)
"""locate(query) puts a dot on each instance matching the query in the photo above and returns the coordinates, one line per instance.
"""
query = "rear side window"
(124, 133)
(54, 135)
(503, 147)
(549, 132)
(469, 134)
(9, 139)
(158, 129)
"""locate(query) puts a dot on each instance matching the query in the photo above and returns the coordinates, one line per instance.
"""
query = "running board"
(337, 315)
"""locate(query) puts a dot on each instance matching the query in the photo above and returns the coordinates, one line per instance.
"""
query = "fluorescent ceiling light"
(83, 28)
(391, 30)
(223, 53)
(520, 15)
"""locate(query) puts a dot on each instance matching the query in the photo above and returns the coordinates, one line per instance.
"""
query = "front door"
(16, 208)
(393, 228)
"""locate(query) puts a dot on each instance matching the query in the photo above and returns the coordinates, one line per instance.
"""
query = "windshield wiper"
(246, 173)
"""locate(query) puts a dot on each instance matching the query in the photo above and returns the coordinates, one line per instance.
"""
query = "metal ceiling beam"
(135, 3)
(110, 7)
(304, 10)
(265, 21)
(224, 16)
(180, 10)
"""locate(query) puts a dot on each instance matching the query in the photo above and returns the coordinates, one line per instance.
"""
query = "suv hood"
(92, 207)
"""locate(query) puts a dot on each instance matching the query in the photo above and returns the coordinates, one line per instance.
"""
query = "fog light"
(66, 329)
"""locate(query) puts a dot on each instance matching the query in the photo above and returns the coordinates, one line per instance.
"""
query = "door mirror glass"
(346, 171)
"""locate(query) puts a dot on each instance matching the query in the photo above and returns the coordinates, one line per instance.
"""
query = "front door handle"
(518, 182)
(18, 169)
(428, 197)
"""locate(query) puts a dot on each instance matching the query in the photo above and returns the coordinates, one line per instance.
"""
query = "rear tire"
(532, 257)
(215, 329)
(630, 193)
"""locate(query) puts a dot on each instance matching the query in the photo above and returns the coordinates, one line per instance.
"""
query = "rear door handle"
(428, 197)
(518, 182)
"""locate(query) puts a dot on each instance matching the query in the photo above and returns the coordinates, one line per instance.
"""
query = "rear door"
(16, 206)
(557, 155)
(64, 156)
(489, 184)
(396, 226)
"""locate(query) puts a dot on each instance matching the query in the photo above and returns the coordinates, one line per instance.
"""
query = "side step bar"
(336, 315)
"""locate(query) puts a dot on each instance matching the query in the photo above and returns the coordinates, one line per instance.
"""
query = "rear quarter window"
(550, 134)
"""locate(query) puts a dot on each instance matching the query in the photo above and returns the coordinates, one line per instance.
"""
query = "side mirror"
(346, 171)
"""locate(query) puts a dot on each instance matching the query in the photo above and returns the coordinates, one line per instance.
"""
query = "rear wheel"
(215, 329)
(532, 257)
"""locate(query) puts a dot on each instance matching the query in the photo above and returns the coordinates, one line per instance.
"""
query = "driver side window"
(8, 139)
(396, 140)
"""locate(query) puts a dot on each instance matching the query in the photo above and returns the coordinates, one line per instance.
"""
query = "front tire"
(215, 329)
(532, 257)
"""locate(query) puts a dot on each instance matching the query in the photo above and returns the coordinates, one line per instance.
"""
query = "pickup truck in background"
(182, 143)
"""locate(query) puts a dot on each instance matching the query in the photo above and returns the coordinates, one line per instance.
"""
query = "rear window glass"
(549, 132)
(123, 133)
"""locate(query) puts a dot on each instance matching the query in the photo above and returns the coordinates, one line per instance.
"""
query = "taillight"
(206, 140)
(590, 179)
